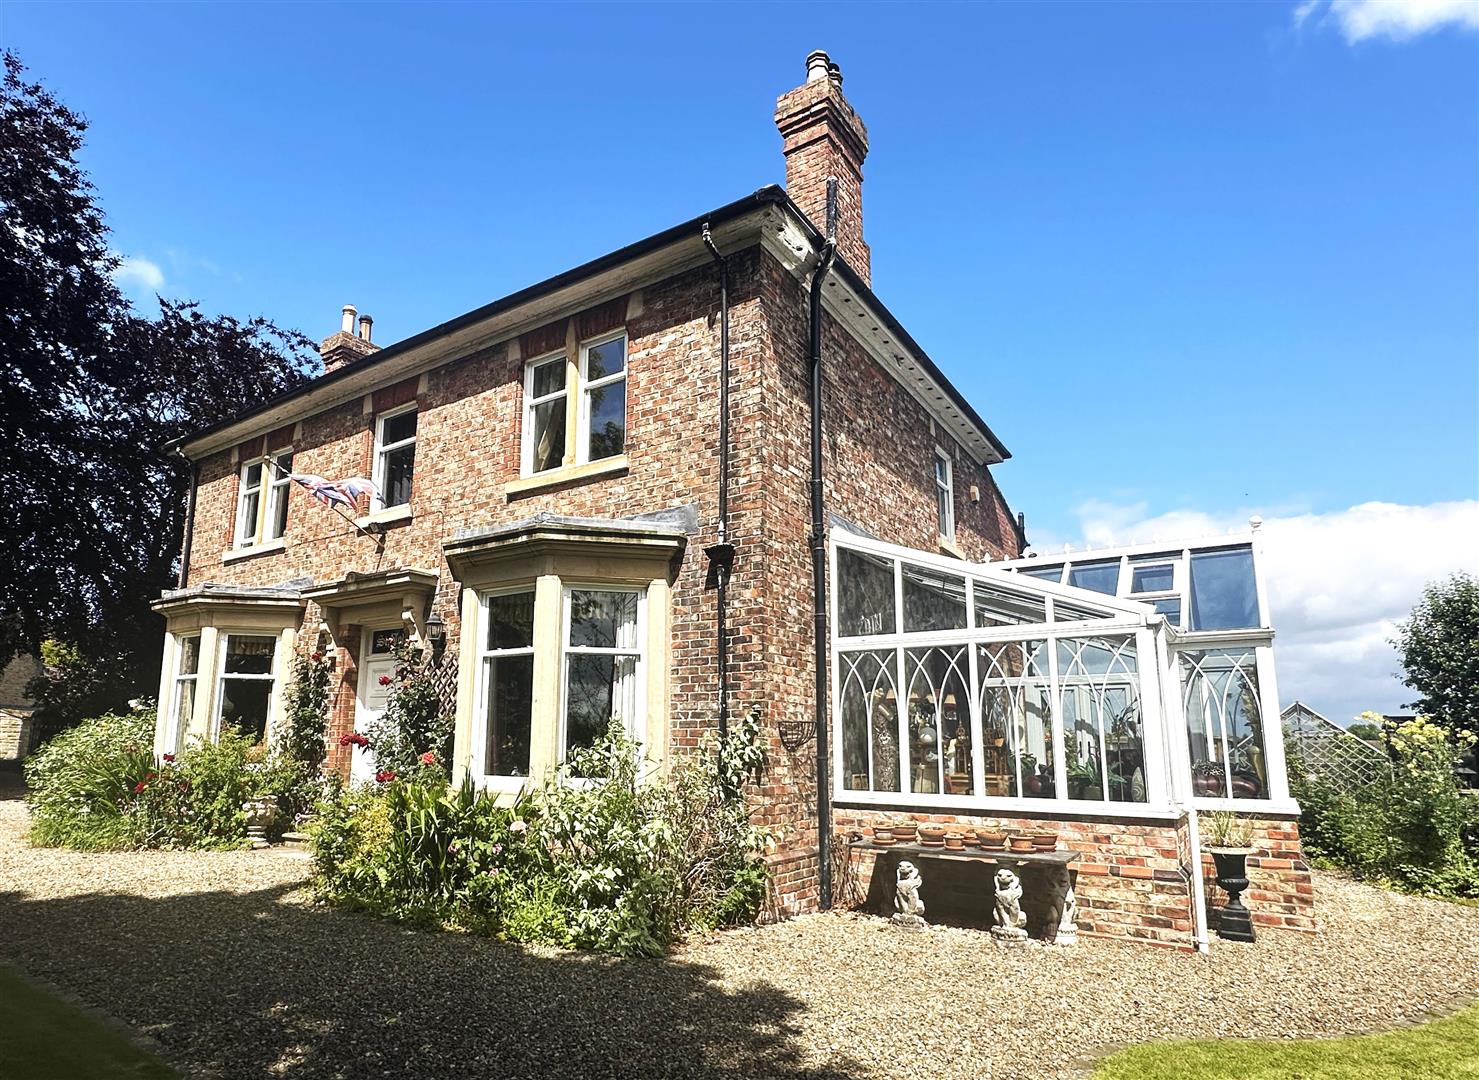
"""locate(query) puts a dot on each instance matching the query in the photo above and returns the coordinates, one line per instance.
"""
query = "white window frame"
(271, 491)
(636, 727)
(945, 487)
(484, 689)
(382, 449)
(181, 724)
(526, 451)
(584, 386)
(218, 698)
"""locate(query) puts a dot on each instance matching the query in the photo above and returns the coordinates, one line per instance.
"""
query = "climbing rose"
(385, 680)
(139, 787)
(428, 758)
(384, 776)
(169, 757)
(317, 657)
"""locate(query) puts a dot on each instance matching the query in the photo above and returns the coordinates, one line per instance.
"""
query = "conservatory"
(1125, 683)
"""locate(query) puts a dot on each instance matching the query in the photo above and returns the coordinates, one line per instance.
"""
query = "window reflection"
(865, 594)
(1224, 595)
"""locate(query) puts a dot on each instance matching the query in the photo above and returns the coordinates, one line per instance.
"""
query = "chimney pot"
(347, 326)
(365, 322)
(817, 66)
(835, 74)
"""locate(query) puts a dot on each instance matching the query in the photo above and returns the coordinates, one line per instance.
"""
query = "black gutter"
(770, 195)
(194, 477)
(819, 560)
(721, 554)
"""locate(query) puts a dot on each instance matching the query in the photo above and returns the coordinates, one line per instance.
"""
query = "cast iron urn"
(1234, 923)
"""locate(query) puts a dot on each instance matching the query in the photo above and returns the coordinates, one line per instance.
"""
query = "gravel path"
(222, 961)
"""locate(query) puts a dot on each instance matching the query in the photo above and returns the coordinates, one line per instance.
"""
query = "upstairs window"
(395, 457)
(262, 505)
(945, 494)
(575, 406)
(546, 402)
(603, 413)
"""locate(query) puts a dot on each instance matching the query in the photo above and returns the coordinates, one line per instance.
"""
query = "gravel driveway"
(223, 962)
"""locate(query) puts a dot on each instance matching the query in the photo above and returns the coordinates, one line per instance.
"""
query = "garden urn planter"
(260, 814)
(1234, 923)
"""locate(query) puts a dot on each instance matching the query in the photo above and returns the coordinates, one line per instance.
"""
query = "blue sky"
(1198, 260)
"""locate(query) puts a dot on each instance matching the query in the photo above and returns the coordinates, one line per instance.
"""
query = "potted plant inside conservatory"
(1228, 837)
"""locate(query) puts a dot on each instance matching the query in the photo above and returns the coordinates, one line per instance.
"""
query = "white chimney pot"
(348, 324)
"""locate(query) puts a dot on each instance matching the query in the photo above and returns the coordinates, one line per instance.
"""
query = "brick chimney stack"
(824, 137)
(346, 346)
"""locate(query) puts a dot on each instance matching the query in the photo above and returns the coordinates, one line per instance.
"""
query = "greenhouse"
(1132, 682)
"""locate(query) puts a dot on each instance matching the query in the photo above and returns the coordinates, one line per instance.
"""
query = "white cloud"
(139, 277)
(1396, 20)
(1337, 585)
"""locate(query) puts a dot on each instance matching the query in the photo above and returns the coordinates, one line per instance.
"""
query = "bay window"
(507, 660)
(182, 701)
(602, 665)
(244, 693)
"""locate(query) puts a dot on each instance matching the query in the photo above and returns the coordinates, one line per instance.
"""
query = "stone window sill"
(391, 515)
(568, 474)
(947, 545)
(268, 548)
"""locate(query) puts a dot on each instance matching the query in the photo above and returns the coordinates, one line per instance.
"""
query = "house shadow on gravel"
(248, 985)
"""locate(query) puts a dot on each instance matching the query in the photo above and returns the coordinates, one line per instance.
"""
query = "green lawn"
(43, 1038)
(1438, 1050)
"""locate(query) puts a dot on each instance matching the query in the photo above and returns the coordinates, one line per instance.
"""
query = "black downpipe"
(819, 559)
(721, 555)
(194, 477)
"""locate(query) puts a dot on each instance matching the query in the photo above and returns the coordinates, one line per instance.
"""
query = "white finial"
(1255, 523)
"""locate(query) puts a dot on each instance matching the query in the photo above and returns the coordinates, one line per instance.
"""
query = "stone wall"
(15, 707)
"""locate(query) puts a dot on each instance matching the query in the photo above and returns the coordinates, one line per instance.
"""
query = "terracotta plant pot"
(905, 831)
(1021, 843)
(932, 835)
(1045, 841)
(883, 836)
(955, 841)
(991, 839)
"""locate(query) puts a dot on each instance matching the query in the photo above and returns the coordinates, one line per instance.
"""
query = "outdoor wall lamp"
(436, 633)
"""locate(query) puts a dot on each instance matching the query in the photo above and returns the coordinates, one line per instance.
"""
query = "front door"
(376, 669)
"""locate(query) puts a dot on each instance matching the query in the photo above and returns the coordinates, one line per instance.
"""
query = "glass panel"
(278, 524)
(250, 504)
(870, 721)
(1224, 723)
(1045, 573)
(249, 655)
(1170, 608)
(396, 428)
(253, 477)
(189, 655)
(932, 601)
(943, 511)
(598, 689)
(939, 710)
(510, 710)
(1152, 579)
(865, 594)
(1102, 719)
(1102, 577)
(942, 475)
(1016, 719)
(548, 451)
(184, 706)
(1223, 593)
(511, 621)
(244, 705)
(547, 378)
(399, 466)
(605, 359)
(384, 642)
(608, 412)
(603, 620)
(998, 606)
(1066, 611)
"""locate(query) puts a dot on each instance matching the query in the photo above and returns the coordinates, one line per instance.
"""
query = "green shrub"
(597, 858)
(81, 785)
(1413, 829)
(306, 711)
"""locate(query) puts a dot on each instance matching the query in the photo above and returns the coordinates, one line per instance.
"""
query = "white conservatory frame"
(1166, 758)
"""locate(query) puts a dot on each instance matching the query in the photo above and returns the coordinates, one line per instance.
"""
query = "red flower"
(149, 776)
(169, 758)
(344, 740)
(384, 776)
(139, 787)
(428, 758)
(385, 680)
(317, 657)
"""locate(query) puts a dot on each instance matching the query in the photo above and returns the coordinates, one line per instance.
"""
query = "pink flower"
(169, 758)
(385, 680)
(428, 758)
(518, 826)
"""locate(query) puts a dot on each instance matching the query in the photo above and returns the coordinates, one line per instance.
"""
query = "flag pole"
(278, 469)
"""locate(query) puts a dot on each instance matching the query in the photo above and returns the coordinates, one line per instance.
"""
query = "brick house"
(595, 499)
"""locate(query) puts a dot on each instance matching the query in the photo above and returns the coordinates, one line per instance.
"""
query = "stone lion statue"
(906, 891)
(1009, 914)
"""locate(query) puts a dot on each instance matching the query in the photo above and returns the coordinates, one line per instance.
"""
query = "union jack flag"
(344, 492)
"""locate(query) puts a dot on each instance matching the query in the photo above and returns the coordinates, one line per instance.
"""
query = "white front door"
(376, 663)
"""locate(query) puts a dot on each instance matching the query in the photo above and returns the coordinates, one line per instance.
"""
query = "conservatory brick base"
(1129, 882)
